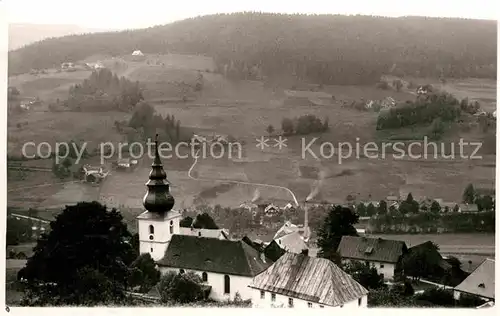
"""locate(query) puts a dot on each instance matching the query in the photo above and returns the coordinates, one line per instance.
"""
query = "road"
(239, 182)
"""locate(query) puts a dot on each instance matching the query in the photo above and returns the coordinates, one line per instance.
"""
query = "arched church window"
(151, 229)
(227, 285)
(204, 277)
(171, 227)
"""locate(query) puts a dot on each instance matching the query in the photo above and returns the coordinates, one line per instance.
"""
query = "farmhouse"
(297, 280)
(137, 53)
(227, 267)
(382, 254)
(480, 283)
(94, 174)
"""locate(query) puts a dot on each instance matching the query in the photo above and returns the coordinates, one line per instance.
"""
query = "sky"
(130, 14)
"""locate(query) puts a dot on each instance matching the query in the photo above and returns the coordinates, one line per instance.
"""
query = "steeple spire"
(158, 198)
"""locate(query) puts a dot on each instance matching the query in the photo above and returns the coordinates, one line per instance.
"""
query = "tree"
(17, 231)
(361, 209)
(365, 275)
(149, 275)
(484, 203)
(409, 198)
(204, 221)
(382, 208)
(186, 221)
(398, 84)
(371, 210)
(437, 128)
(270, 129)
(422, 261)
(469, 194)
(84, 237)
(456, 208)
(287, 126)
(435, 207)
(180, 288)
(339, 222)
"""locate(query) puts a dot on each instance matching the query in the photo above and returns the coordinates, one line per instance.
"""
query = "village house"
(480, 283)
(383, 254)
(289, 228)
(300, 281)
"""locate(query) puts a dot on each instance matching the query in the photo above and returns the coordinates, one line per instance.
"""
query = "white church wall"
(156, 243)
(216, 281)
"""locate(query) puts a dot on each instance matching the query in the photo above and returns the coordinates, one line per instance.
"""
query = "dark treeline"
(424, 110)
(329, 49)
(104, 91)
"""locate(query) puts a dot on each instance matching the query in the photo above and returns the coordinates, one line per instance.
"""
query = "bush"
(382, 85)
(180, 288)
(437, 296)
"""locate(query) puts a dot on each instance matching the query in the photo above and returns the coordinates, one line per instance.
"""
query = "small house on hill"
(480, 283)
(137, 53)
(297, 280)
(383, 254)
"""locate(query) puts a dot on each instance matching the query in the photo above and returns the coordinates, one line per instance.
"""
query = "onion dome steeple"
(158, 198)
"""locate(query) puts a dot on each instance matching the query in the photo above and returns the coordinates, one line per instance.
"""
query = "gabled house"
(383, 254)
(297, 280)
(480, 283)
(226, 266)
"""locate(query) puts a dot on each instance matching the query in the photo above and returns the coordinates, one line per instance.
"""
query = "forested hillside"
(329, 49)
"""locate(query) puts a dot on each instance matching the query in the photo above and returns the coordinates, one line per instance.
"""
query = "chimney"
(305, 252)
(306, 221)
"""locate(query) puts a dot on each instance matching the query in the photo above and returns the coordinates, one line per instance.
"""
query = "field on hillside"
(244, 110)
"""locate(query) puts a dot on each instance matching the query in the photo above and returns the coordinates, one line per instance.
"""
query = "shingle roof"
(315, 280)
(481, 281)
(213, 255)
(371, 249)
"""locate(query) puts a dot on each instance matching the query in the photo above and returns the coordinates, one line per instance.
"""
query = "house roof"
(481, 281)
(371, 249)
(213, 255)
(312, 279)
(293, 242)
(202, 232)
(273, 251)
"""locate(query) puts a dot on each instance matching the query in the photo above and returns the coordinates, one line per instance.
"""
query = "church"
(226, 266)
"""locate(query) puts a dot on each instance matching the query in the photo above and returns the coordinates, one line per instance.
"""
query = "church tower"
(159, 222)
